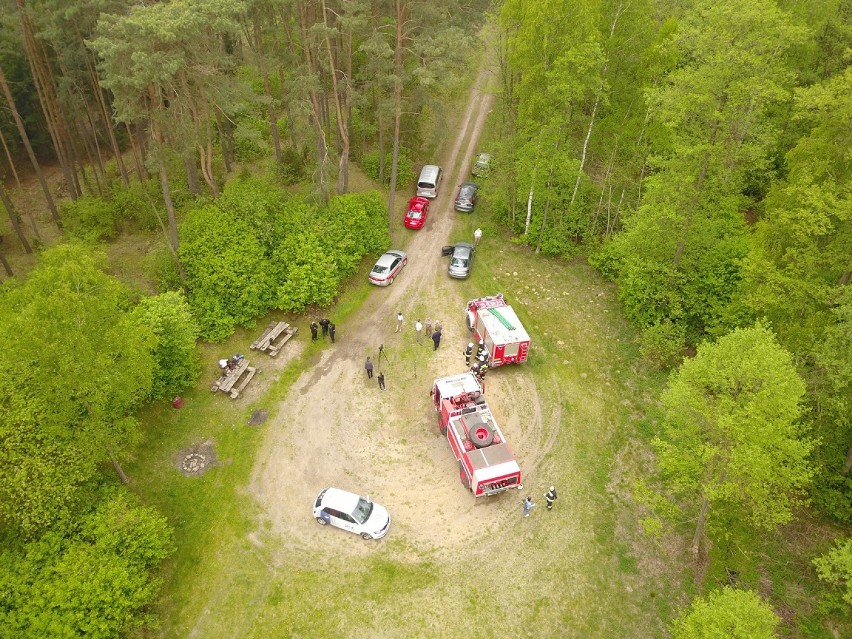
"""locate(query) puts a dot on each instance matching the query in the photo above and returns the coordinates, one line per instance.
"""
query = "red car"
(418, 209)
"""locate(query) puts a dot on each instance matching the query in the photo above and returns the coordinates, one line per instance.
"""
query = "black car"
(466, 197)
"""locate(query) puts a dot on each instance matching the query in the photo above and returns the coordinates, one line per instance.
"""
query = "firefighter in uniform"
(467, 353)
(550, 497)
(481, 349)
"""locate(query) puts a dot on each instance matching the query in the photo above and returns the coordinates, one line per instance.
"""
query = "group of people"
(328, 329)
(480, 360)
(418, 329)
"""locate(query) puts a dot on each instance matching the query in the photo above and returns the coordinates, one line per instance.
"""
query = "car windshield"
(362, 510)
(378, 268)
(459, 262)
(415, 215)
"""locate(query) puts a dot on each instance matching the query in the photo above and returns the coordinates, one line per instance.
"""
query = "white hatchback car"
(351, 512)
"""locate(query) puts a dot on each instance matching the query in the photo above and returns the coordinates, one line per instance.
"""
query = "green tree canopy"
(94, 582)
(77, 366)
(727, 614)
(732, 438)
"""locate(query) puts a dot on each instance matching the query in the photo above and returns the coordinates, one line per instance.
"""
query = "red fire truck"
(494, 322)
(486, 463)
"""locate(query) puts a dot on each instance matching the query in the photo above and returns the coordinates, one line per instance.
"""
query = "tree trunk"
(118, 469)
(586, 143)
(6, 266)
(316, 104)
(847, 466)
(9, 159)
(397, 107)
(532, 184)
(14, 219)
(103, 110)
(223, 142)
(699, 528)
(141, 173)
(381, 146)
(341, 107)
(192, 174)
(4, 86)
(47, 98)
(267, 89)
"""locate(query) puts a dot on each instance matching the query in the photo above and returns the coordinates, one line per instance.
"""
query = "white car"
(351, 512)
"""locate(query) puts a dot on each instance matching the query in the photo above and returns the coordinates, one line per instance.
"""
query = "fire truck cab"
(494, 322)
(487, 465)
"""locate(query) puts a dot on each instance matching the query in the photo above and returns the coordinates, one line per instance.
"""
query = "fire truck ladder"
(502, 319)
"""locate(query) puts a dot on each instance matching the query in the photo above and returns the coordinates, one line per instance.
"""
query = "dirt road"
(335, 427)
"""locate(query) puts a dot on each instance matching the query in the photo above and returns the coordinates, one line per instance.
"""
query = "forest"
(173, 173)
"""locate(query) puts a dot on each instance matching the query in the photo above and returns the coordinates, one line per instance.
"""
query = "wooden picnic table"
(274, 337)
(233, 381)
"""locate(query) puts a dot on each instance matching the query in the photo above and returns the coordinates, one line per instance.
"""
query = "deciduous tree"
(732, 439)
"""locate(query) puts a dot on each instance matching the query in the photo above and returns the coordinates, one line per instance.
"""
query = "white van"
(430, 178)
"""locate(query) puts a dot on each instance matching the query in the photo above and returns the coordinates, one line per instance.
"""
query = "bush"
(227, 271)
(249, 142)
(176, 360)
(162, 267)
(662, 345)
(90, 218)
(293, 167)
(405, 166)
(139, 204)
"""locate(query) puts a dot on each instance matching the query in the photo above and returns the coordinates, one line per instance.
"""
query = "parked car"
(351, 512)
(482, 166)
(388, 267)
(466, 198)
(461, 259)
(418, 210)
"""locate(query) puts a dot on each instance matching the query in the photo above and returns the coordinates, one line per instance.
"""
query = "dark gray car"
(461, 259)
(466, 198)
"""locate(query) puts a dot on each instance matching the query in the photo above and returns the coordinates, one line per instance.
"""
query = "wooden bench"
(274, 337)
(234, 381)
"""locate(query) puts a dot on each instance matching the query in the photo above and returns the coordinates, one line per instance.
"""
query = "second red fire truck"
(487, 465)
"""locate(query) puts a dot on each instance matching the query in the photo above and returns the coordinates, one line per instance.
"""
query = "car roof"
(462, 249)
(418, 203)
(389, 257)
(340, 499)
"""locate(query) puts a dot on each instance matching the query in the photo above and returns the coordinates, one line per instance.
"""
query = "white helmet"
(552, 489)
(470, 345)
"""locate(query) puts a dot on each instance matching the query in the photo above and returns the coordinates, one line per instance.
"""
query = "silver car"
(461, 259)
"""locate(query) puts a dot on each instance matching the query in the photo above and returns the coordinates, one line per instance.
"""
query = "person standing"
(331, 329)
(527, 505)
(324, 322)
(314, 328)
(368, 366)
(438, 326)
(418, 327)
(550, 497)
(398, 322)
(477, 235)
(467, 353)
(480, 350)
(428, 325)
(381, 379)
(436, 339)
